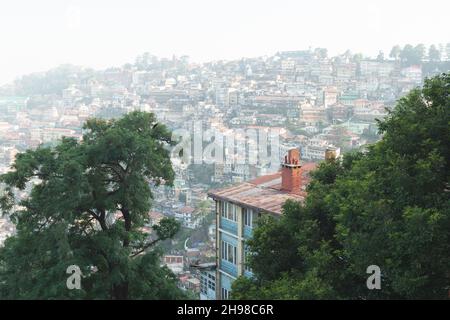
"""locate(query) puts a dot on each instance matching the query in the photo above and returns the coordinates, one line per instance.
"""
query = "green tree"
(395, 52)
(412, 55)
(88, 203)
(52, 81)
(357, 57)
(204, 207)
(434, 54)
(387, 206)
(407, 53)
(321, 53)
(420, 51)
(380, 56)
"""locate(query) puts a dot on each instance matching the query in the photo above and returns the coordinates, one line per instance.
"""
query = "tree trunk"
(127, 219)
(120, 291)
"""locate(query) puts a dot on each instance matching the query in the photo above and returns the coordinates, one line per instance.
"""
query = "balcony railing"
(228, 267)
(228, 225)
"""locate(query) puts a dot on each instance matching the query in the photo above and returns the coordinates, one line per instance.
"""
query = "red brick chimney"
(291, 172)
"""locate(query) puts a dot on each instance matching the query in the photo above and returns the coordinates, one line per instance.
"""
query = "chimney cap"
(292, 159)
(291, 172)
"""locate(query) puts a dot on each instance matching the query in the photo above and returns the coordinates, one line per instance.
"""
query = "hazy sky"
(38, 35)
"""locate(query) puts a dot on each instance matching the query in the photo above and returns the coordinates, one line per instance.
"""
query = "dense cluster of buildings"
(250, 112)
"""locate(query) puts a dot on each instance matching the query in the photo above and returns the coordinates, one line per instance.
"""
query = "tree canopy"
(387, 206)
(414, 55)
(434, 54)
(395, 52)
(87, 204)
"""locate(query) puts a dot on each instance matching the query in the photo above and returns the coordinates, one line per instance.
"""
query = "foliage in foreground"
(389, 206)
(88, 203)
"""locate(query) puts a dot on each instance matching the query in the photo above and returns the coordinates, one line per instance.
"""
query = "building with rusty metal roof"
(238, 207)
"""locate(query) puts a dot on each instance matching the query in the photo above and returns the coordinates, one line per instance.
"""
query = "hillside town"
(224, 114)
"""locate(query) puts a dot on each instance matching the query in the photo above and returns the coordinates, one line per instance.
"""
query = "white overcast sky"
(38, 35)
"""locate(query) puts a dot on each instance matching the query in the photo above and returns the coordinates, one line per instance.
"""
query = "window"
(232, 212)
(203, 286)
(229, 252)
(248, 217)
(225, 294)
(228, 211)
(208, 281)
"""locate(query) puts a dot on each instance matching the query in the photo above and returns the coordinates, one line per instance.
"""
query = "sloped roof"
(263, 193)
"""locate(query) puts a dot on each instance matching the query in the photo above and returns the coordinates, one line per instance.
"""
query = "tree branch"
(145, 247)
(111, 166)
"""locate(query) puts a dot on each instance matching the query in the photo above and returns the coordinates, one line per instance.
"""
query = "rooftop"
(263, 193)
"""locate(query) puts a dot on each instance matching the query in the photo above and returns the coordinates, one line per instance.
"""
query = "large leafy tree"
(395, 52)
(86, 205)
(434, 54)
(412, 55)
(387, 206)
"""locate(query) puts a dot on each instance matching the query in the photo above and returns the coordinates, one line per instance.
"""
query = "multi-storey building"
(312, 115)
(207, 281)
(238, 209)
